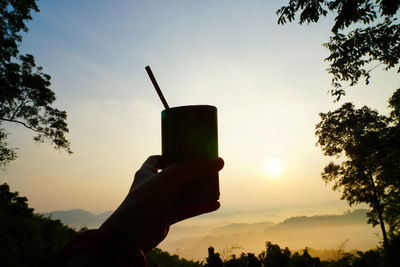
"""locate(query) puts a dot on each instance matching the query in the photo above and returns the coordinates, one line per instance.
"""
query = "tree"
(244, 260)
(213, 259)
(25, 96)
(26, 238)
(274, 256)
(390, 170)
(375, 38)
(368, 150)
(159, 258)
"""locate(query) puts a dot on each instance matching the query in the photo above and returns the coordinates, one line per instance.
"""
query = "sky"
(268, 81)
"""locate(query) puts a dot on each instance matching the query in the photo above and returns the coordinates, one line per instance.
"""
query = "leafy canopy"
(26, 238)
(25, 96)
(368, 150)
(373, 41)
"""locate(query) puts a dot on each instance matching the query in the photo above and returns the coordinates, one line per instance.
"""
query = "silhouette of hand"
(151, 205)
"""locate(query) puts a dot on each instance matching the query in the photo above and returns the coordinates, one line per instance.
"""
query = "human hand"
(151, 205)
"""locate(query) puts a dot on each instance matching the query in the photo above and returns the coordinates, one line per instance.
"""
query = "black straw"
(155, 84)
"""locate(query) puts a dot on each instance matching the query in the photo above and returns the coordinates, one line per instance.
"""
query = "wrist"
(117, 224)
(132, 228)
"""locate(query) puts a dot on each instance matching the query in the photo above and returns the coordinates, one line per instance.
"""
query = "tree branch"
(377, 65)
(22, 123)
(23, 102)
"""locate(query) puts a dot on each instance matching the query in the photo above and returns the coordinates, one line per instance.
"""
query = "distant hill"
(242, 227)
(78, 218)
(349, 218)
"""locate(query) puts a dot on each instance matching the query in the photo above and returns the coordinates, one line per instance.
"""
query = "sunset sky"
(268, 81)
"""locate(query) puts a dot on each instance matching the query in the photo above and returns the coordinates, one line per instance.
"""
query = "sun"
(273, 167)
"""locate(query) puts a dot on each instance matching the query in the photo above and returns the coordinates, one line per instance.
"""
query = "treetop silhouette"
(364, 32)
(368, 150)
(25, 96)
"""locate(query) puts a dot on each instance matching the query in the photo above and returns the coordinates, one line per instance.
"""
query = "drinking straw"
(155, 84)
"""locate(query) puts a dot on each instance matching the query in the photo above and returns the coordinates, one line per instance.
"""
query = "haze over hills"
(190, 239)
(225, 215)
(318, 232)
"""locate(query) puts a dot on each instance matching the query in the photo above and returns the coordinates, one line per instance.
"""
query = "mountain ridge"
(78, 218)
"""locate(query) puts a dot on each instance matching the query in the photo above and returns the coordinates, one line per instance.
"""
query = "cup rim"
(190, 107)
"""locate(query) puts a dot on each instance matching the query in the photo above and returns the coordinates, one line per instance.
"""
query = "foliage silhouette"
(364, 32)
(367, 145)
(244, 259)
(157, 257)
(28, 239)
(25, 96)
(213, 259)
(275, 256)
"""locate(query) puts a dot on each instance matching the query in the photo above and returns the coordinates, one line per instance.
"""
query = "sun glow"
(273, 167)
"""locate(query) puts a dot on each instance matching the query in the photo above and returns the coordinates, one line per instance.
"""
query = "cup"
(191, 133)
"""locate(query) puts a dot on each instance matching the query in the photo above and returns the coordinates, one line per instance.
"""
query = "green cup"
(191, 133)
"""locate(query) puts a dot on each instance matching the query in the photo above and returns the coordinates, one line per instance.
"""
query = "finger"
(184, 213)
(182, 173)
(152, 163)
(148, 169)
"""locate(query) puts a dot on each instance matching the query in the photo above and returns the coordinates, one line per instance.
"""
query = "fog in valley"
(233, 230)
(323, 232)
